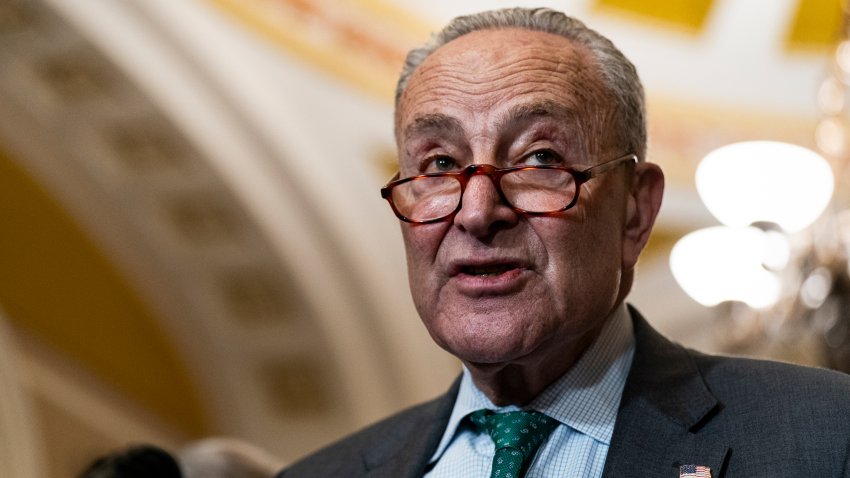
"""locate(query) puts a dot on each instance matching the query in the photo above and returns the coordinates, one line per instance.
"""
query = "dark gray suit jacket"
(742, 418)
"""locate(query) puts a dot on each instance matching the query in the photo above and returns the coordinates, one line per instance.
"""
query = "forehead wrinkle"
(525, 112)
(568, 120)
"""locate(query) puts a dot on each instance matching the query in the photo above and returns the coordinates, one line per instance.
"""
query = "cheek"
(582, 257)
(422, 243)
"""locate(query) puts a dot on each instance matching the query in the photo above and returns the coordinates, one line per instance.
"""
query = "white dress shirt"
(584, 401)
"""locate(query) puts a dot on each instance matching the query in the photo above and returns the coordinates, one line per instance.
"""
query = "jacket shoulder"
(743, 416)
(775, 385)
(387, 440)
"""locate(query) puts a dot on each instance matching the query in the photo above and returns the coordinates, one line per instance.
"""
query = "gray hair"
(619, 75)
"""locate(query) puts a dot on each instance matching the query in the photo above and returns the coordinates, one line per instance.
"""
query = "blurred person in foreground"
(226, 458)
(525, 199)
(136, 461)
(207, 458)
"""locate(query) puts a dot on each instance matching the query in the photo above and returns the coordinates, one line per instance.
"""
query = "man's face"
(491, 285)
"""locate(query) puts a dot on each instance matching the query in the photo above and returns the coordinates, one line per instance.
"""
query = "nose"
(483, 212)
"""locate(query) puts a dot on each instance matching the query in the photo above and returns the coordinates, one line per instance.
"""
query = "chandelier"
(777, 269)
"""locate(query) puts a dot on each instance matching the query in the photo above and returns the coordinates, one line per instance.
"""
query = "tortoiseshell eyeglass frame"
(464, 175)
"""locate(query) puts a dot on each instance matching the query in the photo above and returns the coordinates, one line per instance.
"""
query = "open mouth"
(487, 270)
(482, 277)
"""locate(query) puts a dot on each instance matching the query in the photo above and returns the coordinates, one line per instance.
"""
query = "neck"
(518, 383)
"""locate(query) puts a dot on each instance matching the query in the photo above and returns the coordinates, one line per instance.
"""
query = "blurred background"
(192, 241)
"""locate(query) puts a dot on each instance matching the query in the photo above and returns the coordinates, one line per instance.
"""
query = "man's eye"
(441, 164)
(543, 158)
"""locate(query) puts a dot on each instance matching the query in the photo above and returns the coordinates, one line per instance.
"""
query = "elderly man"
(525, 201)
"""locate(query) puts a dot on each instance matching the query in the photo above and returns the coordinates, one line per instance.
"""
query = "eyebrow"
(518, 115)
(433, 122)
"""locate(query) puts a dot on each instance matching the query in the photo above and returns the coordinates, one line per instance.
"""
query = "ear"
(643, 204)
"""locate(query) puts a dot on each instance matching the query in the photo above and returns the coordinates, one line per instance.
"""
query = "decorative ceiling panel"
(297, 387)
(690, 15)
(145, 147)
(256, 295)
(17, 16)
(816, 24)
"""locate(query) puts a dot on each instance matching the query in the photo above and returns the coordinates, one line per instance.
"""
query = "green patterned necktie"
(517, 435)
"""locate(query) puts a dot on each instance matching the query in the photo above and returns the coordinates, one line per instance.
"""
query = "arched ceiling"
(59, 287)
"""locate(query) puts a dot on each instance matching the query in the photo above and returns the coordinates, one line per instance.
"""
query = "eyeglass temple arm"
(601, 168)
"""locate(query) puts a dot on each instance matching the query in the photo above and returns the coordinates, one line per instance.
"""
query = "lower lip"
(495, 284)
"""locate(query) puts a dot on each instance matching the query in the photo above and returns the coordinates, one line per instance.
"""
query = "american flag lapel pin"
(694, 471)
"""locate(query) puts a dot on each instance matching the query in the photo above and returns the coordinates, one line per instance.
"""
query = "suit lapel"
(665, 403)
(407, 449)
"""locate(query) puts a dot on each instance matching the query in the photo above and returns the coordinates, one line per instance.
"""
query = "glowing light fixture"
(767, 181)
(793, 275)
(720, 264)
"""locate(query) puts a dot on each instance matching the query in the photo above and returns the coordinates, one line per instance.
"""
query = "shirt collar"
(586, 398)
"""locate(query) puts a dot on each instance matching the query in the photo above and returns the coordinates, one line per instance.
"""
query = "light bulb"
(719, 264)
(765, 181)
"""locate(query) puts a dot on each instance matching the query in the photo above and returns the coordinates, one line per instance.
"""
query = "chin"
(489, 337)
(487, 352)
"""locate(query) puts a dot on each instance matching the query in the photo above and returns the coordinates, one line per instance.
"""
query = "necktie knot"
(517, 435)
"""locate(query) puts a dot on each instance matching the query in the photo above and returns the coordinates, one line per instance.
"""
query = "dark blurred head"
(143, 461)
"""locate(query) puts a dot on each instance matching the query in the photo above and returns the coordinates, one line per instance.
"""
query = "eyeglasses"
(529, 190)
